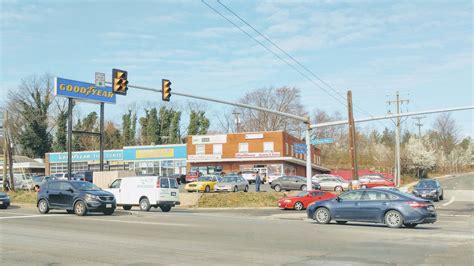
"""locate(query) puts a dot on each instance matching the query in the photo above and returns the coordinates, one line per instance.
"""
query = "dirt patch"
(22, 197)
(240, 199)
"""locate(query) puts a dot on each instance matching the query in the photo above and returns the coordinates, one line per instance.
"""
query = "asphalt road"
(238, 236)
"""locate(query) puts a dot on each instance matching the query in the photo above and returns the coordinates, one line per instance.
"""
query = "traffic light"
(165, 90)
(120, 82)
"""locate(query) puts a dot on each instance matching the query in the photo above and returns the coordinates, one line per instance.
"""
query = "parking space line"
(449, 202)
(30, 216)
(137, 222)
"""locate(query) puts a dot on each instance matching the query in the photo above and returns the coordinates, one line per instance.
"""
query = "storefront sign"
(155, 153)
(86, 156)
(254, 136)
(204, 157)
(257, 154)
(211, 139)
(83, 91)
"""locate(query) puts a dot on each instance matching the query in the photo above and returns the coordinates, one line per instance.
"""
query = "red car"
(370, 181)
(192, 176)
(304, 199)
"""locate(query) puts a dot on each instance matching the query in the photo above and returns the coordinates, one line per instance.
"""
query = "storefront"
(270, 153)
(144, 160)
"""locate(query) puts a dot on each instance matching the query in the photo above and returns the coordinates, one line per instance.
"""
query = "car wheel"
(303, 188)
(80, 208)
(410, 225)
(145, 204)
(108, 212)
(299, 206)
(207, 189)
(437, 198)
(277, 188)
(127, 207)
(338, 189)
(246, 189)
(165, 208)
(393, 219)
(341, 222)
(43, 207)
(441, 197)
(236, 189)
(70, 211)
(322, 215)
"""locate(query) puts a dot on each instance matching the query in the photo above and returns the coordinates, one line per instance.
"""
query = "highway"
(235, 236)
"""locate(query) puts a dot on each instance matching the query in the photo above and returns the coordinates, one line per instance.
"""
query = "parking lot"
(232, 236)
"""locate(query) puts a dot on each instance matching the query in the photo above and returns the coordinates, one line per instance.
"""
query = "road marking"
(449, 202)
(29, 216)
(133, 222)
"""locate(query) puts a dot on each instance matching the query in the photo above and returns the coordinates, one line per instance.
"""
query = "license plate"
(173, 193)
(430, 208)
(423, 195)
(108, 205)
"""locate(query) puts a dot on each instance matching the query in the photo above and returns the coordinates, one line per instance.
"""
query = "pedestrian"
(257, 182)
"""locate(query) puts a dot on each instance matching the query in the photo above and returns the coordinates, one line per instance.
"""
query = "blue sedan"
(393, 208)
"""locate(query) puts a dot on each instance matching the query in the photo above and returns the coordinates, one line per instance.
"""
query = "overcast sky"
(421, 48)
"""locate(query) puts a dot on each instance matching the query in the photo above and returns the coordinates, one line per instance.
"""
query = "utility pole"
(419, 124)
(5, 145)
(398, 102)
(237, 121)
(352, 138)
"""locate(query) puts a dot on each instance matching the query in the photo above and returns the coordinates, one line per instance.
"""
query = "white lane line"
(449, 202)
(133, 222)
(30, 216)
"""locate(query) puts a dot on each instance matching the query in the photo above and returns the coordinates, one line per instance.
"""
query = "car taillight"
(158, 183)
(416, 204)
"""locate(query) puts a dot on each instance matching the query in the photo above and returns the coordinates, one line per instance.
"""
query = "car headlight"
(90, 197)
(433, 191)
(415, 191)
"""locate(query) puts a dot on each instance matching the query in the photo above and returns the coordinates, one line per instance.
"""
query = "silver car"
(333, 183)
(232, 183)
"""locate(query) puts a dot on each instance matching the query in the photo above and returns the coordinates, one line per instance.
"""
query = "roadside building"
(25, 165)
(271, 153)
(144, 160)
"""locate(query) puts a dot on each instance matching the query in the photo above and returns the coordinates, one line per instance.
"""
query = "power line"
(275, 54)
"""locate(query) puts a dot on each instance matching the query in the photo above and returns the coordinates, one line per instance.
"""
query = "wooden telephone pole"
(352, 138)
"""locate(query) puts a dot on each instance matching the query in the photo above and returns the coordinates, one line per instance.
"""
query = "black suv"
(77, 197)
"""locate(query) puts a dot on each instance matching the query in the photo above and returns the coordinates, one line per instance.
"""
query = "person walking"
(257, 182)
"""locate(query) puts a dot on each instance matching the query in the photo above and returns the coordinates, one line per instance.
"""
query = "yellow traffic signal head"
(165, 90)
(119, 81)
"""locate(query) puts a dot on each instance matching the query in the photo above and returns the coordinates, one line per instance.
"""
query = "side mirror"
(70, 190)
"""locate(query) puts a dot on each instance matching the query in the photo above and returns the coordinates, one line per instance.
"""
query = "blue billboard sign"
(83, 91)
(149, 153)
(322, 141)
(300, 148)
(84, 156)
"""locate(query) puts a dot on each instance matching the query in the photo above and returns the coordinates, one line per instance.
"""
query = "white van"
(146, 192)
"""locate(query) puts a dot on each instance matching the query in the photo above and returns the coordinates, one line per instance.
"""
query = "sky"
(424, 49)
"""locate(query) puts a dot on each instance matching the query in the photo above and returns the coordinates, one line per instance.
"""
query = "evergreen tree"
(143, 128)
(388, 137)
(174, 131)
(112, 137)
(203, 123)
(126, 128)
(153, 127)
(133, 131)
(193, 127)
(61, 132)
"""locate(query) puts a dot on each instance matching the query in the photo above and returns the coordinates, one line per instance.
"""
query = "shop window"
(268, 147)
(200, 149)
(286, 149)
(217, 149)
(243, 147)
(292, 151)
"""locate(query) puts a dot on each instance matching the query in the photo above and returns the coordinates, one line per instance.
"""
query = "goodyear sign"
(85, 156)
(83, 91)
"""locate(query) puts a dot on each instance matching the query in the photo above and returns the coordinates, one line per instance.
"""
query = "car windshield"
(426, 184)
(205, 178)
(85, 186)
(228, 179)
(302, 194)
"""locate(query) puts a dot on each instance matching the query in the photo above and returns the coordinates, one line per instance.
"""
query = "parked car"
(390, 207)
(250, 176)
(79, 197)
(333, 183)
(146, 192)
(83, 176)
(23, 181)
(292, 183)
(429, 189)
(60, 176)
(233, 183)
(203, 184)
(181, 179)
(375, 180)
(4, 200)
(304, 199)
(192, 176)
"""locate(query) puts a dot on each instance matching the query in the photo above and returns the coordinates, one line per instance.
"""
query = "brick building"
(272, 153)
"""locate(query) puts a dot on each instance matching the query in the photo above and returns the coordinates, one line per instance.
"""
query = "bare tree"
(285, 99)
(446, 132)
